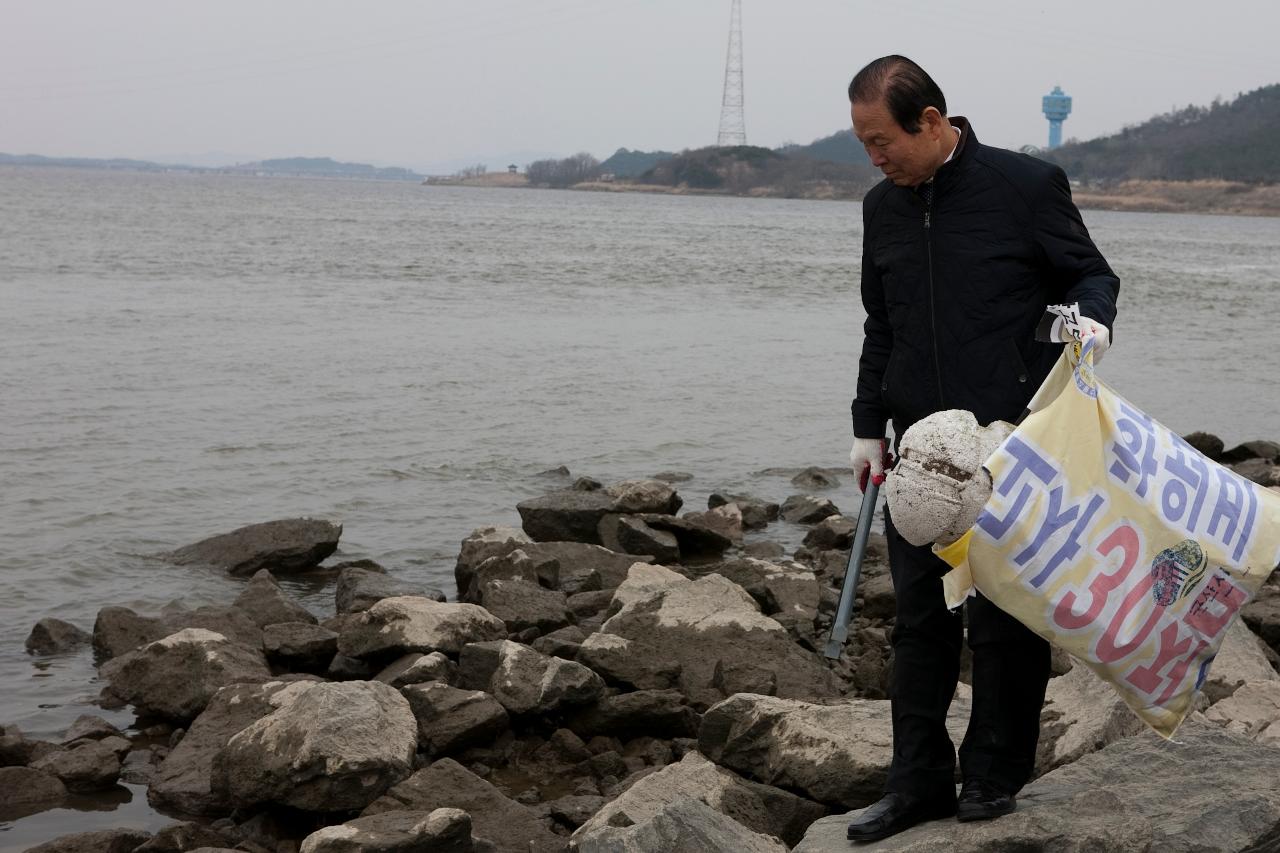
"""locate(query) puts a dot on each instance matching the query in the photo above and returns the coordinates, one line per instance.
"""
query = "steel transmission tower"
(733, 127)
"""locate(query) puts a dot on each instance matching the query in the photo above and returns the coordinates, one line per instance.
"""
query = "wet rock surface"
(52, 636)
(285, 546)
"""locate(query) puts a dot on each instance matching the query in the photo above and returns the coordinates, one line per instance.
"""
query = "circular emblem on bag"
(1176, 571)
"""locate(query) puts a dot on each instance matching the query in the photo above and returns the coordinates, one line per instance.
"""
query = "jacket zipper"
(933, 319)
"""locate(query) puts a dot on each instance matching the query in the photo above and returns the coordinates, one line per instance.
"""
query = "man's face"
(907, 159)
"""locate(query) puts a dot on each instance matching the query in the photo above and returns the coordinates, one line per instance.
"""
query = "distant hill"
(751, 170)
(840, 147)
(1233, 141)
(630, 164)
(83, 162)
(326, 167)
(316, 167)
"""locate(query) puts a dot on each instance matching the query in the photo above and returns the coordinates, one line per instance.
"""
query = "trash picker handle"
(849, 586)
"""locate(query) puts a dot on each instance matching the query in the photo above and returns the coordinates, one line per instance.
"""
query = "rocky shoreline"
(613, 676)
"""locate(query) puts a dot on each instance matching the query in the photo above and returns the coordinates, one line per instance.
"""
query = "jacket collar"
(964, 149)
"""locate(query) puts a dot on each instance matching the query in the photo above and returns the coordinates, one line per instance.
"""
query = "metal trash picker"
(849, 586)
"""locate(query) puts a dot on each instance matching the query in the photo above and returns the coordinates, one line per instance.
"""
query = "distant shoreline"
(1213, 197)
(1203, 197)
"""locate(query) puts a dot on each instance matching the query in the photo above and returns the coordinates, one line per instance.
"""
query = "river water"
(181, 355)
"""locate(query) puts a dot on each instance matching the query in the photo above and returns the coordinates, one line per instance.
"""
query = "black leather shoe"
(893, 813)
(980, 800)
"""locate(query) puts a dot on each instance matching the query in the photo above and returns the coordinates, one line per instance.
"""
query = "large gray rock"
(231, 622)
(758, 807)
(17, 751)
(697, 538)
(581, 567)
(1264, 472)
(837, 754)
(1262, 615)
(541, 571)
(177, 675)
(511, 827)
(658, 713)
(89, 765)
(89, 727)
(807, 509)
(99, 841)
(183, 781)
(632, 496)
(54, 636)
(1241, 659)
(1205, 790)
(756, 513)
(1207, 443)
(1081, 714)
(299, 646)
(1256, 449)
(22, 787)
(814, 477)
(284, 546)
(359, 589)
(450, 719)
(684, 825)
(266, 603)
(725, 520)
(416, 668)
(119, 630)
(620, 661)
(396, 626)
(522, 605)
(481, 544)
(627, 534)
(642, 581)
(185, 836)
(335, 747)
(565, 516)
(1252, 710)
(526, 681)
(562, 643)
(574, 516)
(12, 746)
(439, 831)
(834, 533)
(721, 640)
(785, 591)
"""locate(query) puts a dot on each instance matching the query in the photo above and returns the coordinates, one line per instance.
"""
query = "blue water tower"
(1057, 107)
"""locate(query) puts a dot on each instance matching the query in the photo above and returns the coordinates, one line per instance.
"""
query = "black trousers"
(1010, 672)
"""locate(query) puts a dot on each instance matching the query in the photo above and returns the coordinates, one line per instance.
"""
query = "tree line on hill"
(1232, 141)
(1227, 140)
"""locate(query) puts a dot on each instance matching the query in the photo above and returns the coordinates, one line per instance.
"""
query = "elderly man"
(964, 247)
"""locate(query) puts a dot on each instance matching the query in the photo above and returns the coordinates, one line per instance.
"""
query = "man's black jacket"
(954, 289)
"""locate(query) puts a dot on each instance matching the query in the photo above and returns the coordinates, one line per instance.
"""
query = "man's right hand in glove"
(869, 458)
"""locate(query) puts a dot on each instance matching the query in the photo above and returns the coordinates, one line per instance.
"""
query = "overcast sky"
(434, 83)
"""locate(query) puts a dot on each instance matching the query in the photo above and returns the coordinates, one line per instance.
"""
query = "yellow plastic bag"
(1111, 537)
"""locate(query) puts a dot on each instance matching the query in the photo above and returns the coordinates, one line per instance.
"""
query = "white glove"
(1089, 328)
(867, 458)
